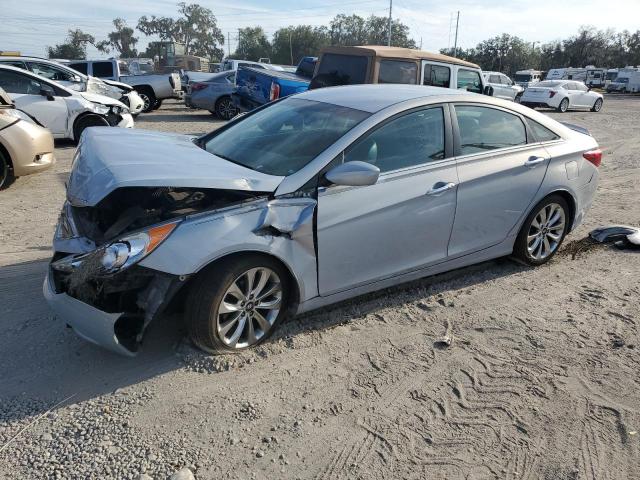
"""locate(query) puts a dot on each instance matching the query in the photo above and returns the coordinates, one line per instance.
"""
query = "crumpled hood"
(111, 158)
(103, 99)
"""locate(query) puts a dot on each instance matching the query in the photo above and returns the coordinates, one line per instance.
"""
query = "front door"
(499, 173)
(24, 90)
(401, 223)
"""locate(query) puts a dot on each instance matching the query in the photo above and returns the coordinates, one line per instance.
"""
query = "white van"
(526, 78)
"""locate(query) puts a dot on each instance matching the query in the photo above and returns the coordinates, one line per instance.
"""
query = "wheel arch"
(566, 196)
(293, 278)
(81, 117)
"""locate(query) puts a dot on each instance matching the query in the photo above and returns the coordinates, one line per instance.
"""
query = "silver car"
(313, 199)
(213, 93)
(503, 86)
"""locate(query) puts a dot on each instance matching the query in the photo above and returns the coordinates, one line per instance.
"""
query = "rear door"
(436, 74)
(24, 90)
(500, 170)
(402, 222)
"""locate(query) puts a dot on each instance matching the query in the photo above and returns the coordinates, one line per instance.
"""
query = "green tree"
(292, 43)
(75, 47)
(356, 30)
(252, 44)
(121, 40)
(197, 29)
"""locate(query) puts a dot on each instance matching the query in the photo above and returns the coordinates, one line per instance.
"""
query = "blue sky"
(30, 25)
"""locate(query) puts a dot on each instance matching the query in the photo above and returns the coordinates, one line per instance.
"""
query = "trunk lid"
(111, 158)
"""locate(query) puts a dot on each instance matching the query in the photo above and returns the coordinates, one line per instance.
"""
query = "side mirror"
(76, 79)
(488, 90)
(47, 91)
(353, 174)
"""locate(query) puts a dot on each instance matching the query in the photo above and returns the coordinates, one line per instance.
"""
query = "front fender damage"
(114, 310)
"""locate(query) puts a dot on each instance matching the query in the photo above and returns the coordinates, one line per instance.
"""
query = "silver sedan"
(311, 200)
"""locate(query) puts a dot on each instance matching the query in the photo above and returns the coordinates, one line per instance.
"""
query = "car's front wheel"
(88, 121)
(6, 174)
(564, 105)
(237, 303)
(543, 231)
(597, 105)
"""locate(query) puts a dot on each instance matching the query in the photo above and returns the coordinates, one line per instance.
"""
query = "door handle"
(441, 187)
(533, 161)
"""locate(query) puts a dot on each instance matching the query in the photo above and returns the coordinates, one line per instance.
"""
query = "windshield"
(523, 77)
(284, 137)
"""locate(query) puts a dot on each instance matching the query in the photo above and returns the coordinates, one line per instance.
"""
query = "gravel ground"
(542, 380)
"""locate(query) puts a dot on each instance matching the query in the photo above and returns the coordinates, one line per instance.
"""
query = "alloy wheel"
(4, 172)
(249, 307)
(147, 101)
(545, 232)
(598, 105)
(564, 105)
(225, 109)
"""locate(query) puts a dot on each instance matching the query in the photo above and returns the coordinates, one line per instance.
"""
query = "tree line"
(197, 28)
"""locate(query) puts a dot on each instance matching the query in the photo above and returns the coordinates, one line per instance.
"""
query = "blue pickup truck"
(255, 87)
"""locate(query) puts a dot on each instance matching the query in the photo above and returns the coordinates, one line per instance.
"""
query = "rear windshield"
(338, 69)
(284, 137)
(523, 77)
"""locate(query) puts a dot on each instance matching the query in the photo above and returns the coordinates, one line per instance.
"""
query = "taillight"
(593, 156)
(198, 86)
(274, 94)
(552, 94)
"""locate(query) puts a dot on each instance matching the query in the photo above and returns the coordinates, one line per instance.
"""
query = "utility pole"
(290, 48)
(390, 7)
(229, 43)
(455, 43)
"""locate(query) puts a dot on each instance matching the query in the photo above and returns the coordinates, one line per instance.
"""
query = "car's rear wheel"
(157, 104)
(225, 108)
(597, 105)
(6, 172)
(88, 121)
(518, 98)
(564, 105)
(543, 231)
(237, 303)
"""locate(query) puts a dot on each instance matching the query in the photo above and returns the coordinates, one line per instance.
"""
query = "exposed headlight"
(120, 254)
(101, 109)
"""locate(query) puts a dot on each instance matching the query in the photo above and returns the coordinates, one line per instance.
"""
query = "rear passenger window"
(436, 76)
(102, 69)
(484, 128)
(469, 80)
(494, 79)
(79, 67)
(406, 141)
(542, 133)
(397, 71)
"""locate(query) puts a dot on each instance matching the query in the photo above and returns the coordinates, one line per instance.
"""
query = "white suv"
(503, 86)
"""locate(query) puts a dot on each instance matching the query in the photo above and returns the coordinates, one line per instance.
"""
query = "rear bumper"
(243, 104)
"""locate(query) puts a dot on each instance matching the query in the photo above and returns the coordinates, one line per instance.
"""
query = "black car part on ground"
(622, 236)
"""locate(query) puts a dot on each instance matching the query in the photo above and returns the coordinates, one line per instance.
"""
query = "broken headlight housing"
(109, 109)
(118, 255)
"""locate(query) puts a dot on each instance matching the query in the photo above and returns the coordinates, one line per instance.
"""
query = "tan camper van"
(379, 64)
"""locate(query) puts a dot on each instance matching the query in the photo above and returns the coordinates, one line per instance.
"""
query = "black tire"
(6, 172)
(148, 97)
(209, 290)
(85, 122)
(225, 108)
(564, 105)
(157, 104)
(521, 246)
(597, 105)
(518, 98)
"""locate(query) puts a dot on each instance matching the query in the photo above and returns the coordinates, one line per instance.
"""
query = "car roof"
(375, 97)
(398, 52)
(39, 77)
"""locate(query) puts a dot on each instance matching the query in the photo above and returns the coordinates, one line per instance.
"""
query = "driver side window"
(407, 141)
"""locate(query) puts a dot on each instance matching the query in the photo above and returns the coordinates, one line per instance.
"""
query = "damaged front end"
(96, 283)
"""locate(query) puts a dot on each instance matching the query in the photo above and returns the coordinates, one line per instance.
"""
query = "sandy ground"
(542, 380)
